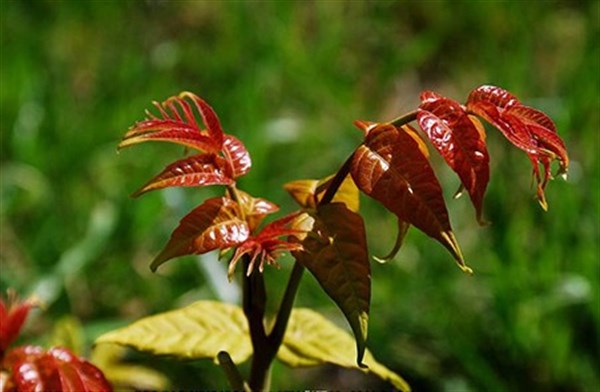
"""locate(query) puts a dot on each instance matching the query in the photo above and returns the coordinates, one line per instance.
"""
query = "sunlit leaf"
(303, 192)
(200, 330)
(255, 208)
(267, 245)
(526, 128)
(178, 124)
(215, 224)
(335, 252)
(58, 369)
(236, 154)
(197, 170)
(312, 340)
(456, 137)
(390, 167)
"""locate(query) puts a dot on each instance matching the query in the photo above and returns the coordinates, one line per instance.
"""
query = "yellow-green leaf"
(303, 192)
(312, 340)
(335, 252)
(197, 331)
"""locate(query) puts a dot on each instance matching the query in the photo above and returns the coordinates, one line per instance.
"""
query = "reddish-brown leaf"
(526, 128)
(335, 252)
(197, 170)
(266, 246)
(255, 208)
(57, 369)
(177, 124)
(236, 154)
(215, 224)
(390, 167)
(13, 313)
(457, 138)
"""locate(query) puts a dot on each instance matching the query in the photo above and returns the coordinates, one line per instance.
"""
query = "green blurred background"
(288, 78)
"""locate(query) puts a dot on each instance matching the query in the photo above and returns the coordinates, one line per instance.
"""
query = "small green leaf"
(402, 230)
(200, 330)
(335, 252)
(312, 340)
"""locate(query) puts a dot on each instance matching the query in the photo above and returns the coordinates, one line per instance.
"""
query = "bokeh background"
(288, 78)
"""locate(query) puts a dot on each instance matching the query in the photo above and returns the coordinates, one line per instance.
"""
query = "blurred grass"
(288, 78)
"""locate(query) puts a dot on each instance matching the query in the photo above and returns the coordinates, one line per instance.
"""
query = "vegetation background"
(288, 78)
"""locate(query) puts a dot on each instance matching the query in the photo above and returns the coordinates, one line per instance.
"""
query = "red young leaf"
(197, 170)
(236, 154)
(266, 246)
(13, 313)
(390, 167)
(34, 369)
(178, 124)
(215, 224)
(526, 128)
(457, 138)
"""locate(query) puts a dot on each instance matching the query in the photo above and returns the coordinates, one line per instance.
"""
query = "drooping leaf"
(312, 340)
(178, 124)
(526, 128)
(390, 167)
(58, 369)
(197, 170)
(304, 191)
(402, 230)
(335, 252)
(458, 139)
(236, 154)
(215, 224)
(266, 246)
(200, 330)
(255, 208)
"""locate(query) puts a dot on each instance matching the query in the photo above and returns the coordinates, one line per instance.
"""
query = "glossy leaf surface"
(197, 331)
(178, 124)
(312, 340)
(215, 224)
(457, 138)
(255, 209)
(197, 170)
(13, 313)
(335, 252)
(390, 167)
(526, 128)
(34, 369)
(267, 245)
(236, 154)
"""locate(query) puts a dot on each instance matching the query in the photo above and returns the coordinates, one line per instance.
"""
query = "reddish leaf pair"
(219, 223)
(31, 368)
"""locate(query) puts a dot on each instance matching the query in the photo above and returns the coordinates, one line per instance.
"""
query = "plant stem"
(236, 382)
(285, 309)
(404, 119)
(336, 182)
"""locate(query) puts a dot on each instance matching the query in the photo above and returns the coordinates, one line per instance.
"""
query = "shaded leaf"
(456, 137)
(236, 154)
(335, 252)
(266, 246)
(312, 340)
(215, 224)
(390, 167)
(197, 170)
(200, 330)
(526, 128)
